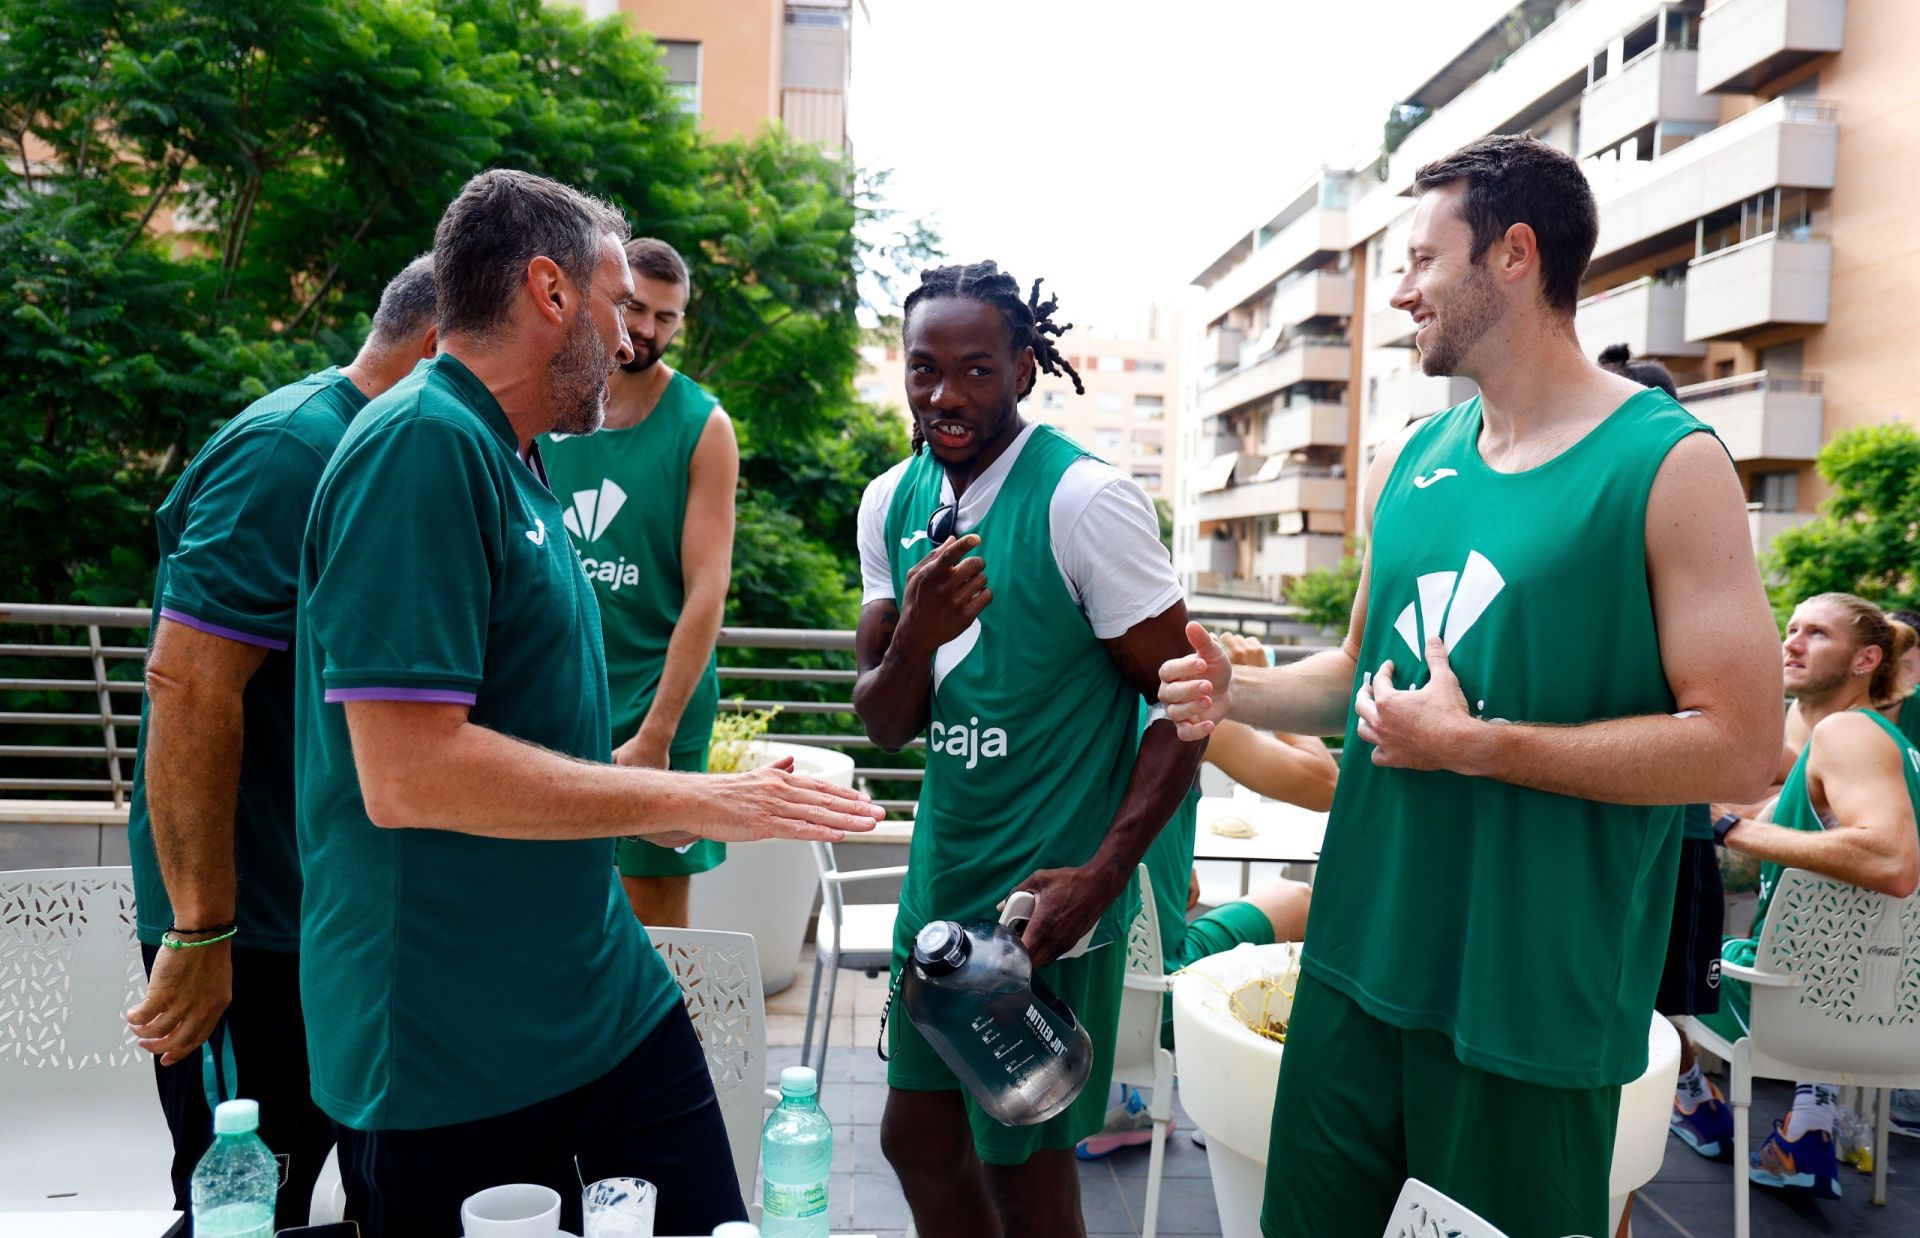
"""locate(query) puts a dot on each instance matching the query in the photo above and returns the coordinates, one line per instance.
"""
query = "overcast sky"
(1115, 146)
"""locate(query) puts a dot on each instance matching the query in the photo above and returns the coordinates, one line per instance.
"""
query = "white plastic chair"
(719, 978)
(1422, 1212)
(1836, 999)
(853, 935)
(84, 1129)
(1139, 1059)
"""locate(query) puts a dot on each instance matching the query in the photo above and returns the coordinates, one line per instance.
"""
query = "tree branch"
(326, 283)
(174, 167)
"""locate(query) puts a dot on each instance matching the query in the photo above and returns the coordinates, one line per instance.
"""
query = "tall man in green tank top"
(1848, 810)
(1558, 636)
(649, 505)
(1018, 603)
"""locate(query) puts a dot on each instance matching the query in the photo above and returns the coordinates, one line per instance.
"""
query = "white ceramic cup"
(521, 1210)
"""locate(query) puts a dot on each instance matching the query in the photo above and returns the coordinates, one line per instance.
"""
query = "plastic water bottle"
(235, 1183)
(796, 1147)
(1014, 1045)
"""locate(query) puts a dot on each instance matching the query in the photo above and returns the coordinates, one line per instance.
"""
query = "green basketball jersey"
(1529, 928)
(1909, 723)
(625, 494)
(1794, 809)
(1033, 730)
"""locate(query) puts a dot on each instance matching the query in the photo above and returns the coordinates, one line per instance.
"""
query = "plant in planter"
(735, 735)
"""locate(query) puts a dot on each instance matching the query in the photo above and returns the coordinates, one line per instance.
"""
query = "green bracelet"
(172, 942)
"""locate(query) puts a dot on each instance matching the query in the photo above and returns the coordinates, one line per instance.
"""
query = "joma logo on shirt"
(968, 739)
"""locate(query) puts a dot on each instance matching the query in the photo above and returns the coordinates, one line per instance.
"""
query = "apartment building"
(1750, 159)
(737, 64)
(1126, 416)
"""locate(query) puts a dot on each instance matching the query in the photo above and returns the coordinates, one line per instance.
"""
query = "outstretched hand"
(775, 802)
(1416, 728)
(1196, 689)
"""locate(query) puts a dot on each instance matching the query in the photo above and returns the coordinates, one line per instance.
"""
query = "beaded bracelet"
(172, 942)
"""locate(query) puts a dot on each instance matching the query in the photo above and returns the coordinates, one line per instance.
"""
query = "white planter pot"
(1228, 1075)
(768, 888)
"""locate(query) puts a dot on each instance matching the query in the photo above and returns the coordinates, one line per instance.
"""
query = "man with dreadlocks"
(1030, 694)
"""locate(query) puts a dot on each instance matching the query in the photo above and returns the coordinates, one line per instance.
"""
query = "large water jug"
(1015, 1046)
(235, 1183)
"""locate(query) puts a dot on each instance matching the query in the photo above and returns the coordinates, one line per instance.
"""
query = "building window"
(682, 60)
(1110, 365)
(1149, 407)
(1777, 492)
(1106, 442)
(1149, 365)
(1107, 401)
(1053, 399)
(1147, 481)
(824, 16)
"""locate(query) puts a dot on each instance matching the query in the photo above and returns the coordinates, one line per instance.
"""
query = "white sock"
(1815, 1106)
(1691, 1089)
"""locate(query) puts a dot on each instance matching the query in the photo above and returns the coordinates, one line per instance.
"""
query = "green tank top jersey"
(1529, 928)
(1033, 730)
(1909, 724)
(1794, 809)
(1169, 862)
(625, 494)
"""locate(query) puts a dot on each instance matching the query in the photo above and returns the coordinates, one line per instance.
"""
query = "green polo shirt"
(448, 977)
(229, 537)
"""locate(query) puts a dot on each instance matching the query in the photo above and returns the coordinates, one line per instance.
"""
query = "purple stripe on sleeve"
(245, 638)
(441, 696)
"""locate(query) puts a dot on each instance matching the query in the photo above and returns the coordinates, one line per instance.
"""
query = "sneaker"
(1903, 1115)
(1805, 1166)
(1708, 1127)
(1198, 1136)
(1129, 1125)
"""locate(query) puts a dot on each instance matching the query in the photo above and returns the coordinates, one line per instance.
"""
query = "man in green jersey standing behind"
(482, 1007)
(1558, 636)
(1029, 691)
(649, 504)
(216, 875)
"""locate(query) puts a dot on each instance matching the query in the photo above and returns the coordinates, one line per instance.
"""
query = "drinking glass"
(619, 1208)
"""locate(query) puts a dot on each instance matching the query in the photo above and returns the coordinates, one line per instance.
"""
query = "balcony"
(1322, 359)
(1405, 396)
(1388, 327)
(1767, 525)
(1760, 416)
(1300, 426)
(815, 116)
(1218, 556)
(1770, 280)
(1299, 489)
(1286, 555)
(1312, 294)
(1656, 87)
(1647, 206)
(1320, 231)
(1744, 43)
(1647, 315)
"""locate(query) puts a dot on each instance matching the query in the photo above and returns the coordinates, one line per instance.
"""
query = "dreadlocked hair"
(1029, 320)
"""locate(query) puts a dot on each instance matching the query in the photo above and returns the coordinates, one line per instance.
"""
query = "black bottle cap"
(940, 948)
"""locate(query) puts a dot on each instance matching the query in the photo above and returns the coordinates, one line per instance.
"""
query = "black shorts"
(258, 1051)
(1691, 982)
(653, 1116)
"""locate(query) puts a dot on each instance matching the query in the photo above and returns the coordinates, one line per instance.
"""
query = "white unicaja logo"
(1449, 604)
(594, 510)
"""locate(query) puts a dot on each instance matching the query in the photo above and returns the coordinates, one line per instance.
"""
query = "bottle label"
(791, 1202)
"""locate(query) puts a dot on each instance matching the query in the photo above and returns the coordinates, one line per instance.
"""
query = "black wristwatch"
(1721, 825)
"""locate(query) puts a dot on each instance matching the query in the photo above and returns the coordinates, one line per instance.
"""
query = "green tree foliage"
(209, 197)
(1866, 539)
(1325, 595)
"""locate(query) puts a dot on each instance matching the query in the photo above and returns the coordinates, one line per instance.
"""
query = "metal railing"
(1758, 380)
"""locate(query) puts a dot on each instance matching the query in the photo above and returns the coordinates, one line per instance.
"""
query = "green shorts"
(642, 859)
(1363, 1106)
(1090, 986)
(1219, 930)
(1734, 1018)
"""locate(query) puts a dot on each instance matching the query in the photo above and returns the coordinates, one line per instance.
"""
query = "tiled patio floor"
(1691, 1198)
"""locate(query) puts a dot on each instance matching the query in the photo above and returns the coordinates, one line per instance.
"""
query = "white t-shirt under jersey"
(1104, 529)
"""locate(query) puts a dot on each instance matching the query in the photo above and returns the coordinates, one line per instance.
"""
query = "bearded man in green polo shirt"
(1030, 692)
(1559, 635)
(482, 1006)
(210, 827)
(649, 505)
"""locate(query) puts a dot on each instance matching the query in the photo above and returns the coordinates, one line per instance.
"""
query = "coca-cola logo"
(1884, 952)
